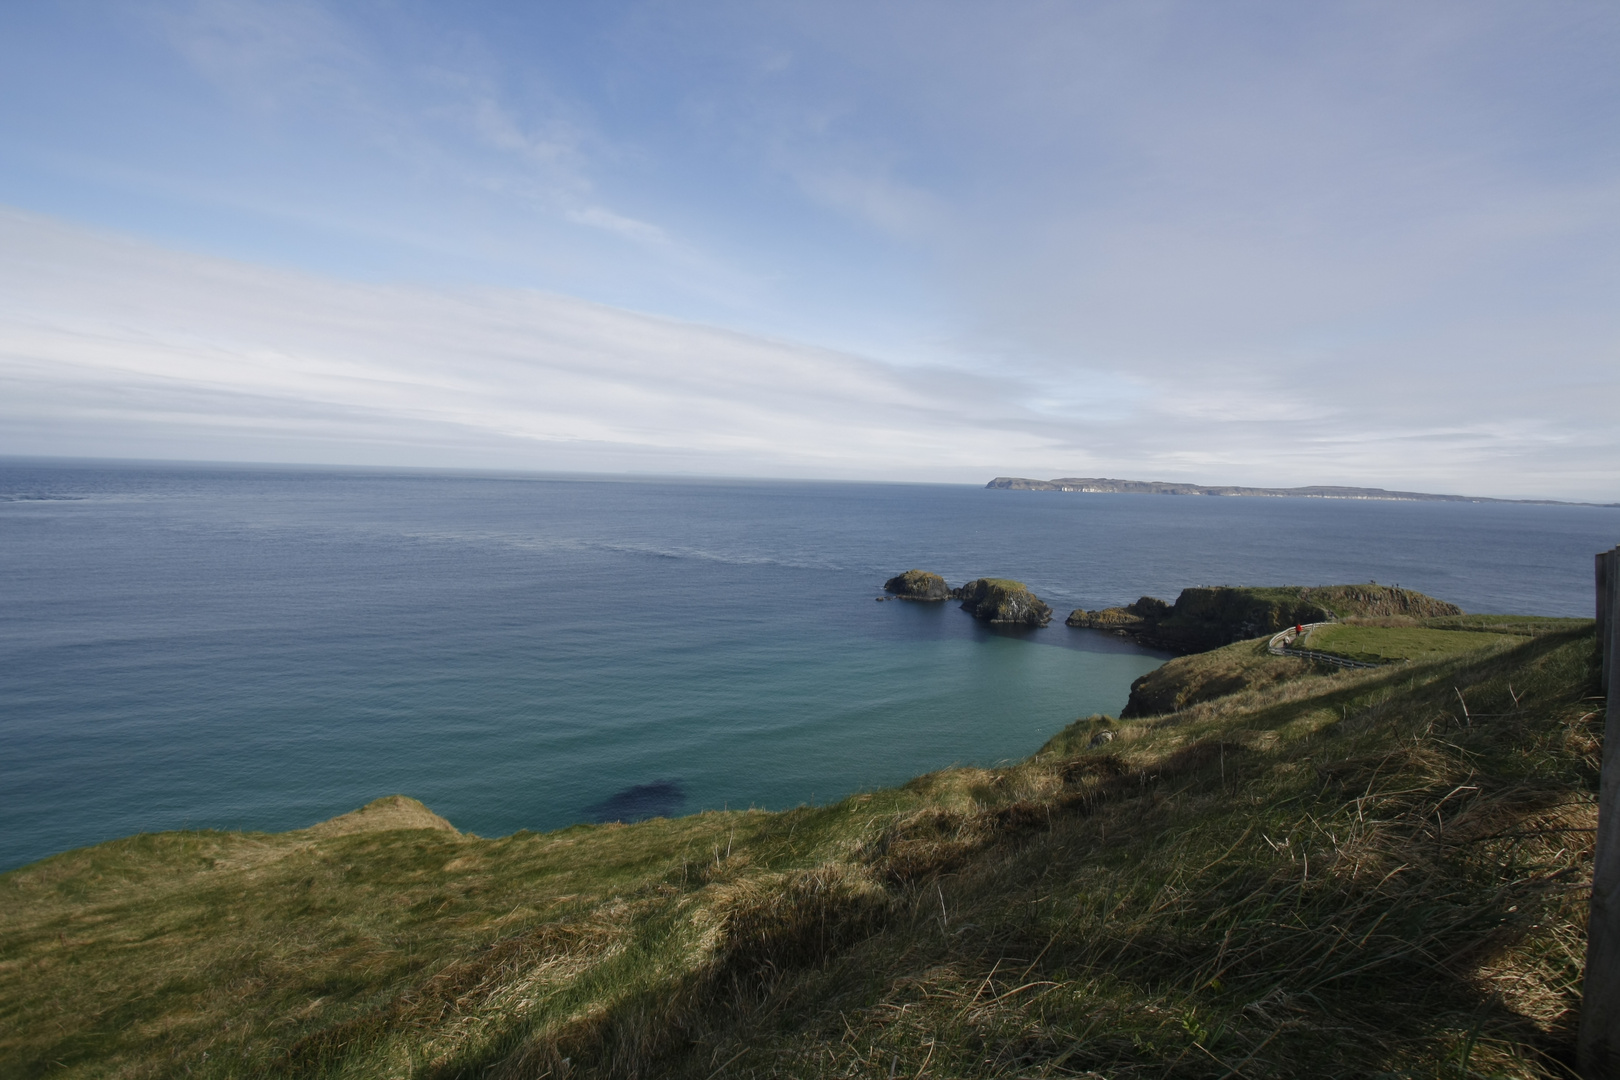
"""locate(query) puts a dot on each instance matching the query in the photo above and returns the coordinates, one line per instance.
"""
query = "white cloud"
(109, 343)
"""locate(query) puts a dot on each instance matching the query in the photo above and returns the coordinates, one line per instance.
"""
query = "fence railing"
(1280, 641)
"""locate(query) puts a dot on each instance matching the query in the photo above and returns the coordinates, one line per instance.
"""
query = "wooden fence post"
(1604, 631)
(1599, 1041)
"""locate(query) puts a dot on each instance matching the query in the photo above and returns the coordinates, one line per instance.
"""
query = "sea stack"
(998, 600)
(918, 585)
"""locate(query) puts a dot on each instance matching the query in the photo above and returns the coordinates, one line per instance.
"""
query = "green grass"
(1310, 873)
(1529, 625)
(1386, 644)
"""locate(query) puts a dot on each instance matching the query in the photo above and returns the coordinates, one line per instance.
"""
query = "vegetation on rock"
(918, 585)
(1001, 600)
(1377, 601)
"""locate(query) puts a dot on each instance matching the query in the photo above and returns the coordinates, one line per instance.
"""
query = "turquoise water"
(258, 648)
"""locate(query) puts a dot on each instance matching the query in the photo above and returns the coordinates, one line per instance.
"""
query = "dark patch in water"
(661, 798)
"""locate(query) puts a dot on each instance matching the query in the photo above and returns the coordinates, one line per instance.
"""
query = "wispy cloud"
(106, 342)
(442, 114)
(601, 218)
(273, 56)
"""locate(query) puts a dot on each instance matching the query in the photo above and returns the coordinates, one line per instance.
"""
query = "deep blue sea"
(256, 648)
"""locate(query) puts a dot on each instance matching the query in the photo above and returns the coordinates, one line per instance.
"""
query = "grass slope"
(1327, 873)
(1202, 676)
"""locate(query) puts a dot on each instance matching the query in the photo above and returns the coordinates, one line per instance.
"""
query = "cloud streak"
(124, 346)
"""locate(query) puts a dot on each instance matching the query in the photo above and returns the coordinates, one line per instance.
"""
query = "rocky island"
(918, 585)
(994, 600)
(1000, 600)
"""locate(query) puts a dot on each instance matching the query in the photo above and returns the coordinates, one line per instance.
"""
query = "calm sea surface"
(261, 649)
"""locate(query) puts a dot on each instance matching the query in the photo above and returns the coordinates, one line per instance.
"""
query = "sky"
(1230, 243)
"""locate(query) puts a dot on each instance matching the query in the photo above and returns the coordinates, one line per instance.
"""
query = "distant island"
(1320, 491)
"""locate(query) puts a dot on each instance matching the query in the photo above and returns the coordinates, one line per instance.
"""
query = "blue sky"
(1369, 243)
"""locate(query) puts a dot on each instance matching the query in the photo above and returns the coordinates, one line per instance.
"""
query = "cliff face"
(1378, 601)
(1207, 618)
(918, 585)
(999, 600)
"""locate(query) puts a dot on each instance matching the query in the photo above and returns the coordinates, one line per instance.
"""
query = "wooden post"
(1599, 1046)
(1604, 631)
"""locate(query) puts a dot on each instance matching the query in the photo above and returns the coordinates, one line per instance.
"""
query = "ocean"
(263, 648)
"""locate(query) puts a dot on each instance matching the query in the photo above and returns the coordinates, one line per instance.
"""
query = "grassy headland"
(1202, 676)
(1301, 872)
(1207, 618)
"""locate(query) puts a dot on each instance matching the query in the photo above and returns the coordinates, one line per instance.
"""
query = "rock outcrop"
(1188, 680)
(1208, 618)
(999, 600)
(918, 585)
(1145, 613)
(1378, 601)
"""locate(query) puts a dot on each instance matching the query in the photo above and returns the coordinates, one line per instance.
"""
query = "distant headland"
(1320, 491)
